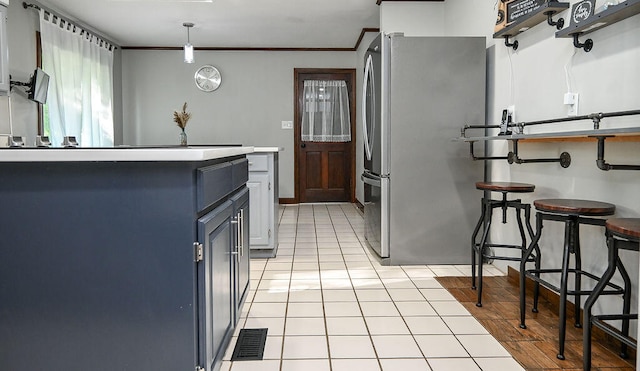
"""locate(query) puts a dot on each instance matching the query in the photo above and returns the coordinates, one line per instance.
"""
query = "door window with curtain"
(80, 98)
(326, 116)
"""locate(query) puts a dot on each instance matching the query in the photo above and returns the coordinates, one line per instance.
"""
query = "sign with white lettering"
(581, 11)
(520, 8)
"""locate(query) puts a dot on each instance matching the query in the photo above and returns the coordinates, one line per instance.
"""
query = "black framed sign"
(519, 8)
(581, 11)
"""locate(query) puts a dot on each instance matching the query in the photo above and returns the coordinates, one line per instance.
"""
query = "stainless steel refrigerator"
(420, 199)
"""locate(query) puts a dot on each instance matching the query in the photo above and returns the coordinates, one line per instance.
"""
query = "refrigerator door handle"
(371, 179)
(368, 78)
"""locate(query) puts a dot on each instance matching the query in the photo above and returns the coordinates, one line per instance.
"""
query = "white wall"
(412, 18)
(256, 94)
(607, 80)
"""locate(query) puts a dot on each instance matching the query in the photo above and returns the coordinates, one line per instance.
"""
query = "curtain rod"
(37, 7)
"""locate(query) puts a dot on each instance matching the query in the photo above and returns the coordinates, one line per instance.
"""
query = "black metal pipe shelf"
(538, 16)
(611, 15)
(594, 117)
(565, 158)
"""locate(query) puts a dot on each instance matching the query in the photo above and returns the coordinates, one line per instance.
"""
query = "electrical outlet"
(287, 124)
(571, 101)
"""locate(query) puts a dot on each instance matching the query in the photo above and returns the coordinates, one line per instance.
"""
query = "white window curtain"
(326, 116)
(80, 98)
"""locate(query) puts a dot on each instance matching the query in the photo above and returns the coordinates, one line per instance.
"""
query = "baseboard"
(554, 299)
(359, 205)
(287, 201)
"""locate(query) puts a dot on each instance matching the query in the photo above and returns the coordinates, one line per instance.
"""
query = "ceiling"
(225, 23)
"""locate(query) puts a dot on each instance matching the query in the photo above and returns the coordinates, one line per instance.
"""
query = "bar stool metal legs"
(481, 250)
(615, 242)
(572, 213)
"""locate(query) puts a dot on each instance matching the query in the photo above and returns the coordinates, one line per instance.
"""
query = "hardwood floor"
(535, 348)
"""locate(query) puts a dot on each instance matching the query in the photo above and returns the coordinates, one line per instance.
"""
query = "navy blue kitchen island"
(121, 259)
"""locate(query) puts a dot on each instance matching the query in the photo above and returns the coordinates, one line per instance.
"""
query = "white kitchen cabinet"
(263, 201)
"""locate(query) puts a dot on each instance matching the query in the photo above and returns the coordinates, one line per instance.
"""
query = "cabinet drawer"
(258, 162)
(240, 172)
(213, 183)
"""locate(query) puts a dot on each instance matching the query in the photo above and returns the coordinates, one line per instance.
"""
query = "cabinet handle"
(238, 223)
(241, 227)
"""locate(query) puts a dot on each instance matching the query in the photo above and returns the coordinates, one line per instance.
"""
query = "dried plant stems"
(181, 118)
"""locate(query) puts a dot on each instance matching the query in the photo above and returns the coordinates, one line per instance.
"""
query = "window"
(80, 98)
(325, 116)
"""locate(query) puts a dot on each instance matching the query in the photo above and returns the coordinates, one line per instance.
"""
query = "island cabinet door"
(214, 285)
(241, 250)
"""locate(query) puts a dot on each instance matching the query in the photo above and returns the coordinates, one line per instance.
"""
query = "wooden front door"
(325, 171)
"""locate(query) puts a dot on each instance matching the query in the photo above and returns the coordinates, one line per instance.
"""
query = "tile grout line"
(355, 294)
(333, 213)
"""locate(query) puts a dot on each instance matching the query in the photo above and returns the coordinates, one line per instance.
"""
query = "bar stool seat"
(575, 207)
(622, 234)
(511, 187)
(573, 213)
(482, 250)
(625, 227)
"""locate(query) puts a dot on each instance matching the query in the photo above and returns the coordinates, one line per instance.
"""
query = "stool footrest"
(504, 246)
(598, 321)
(507, 258)
(532, 273)
(530, 259)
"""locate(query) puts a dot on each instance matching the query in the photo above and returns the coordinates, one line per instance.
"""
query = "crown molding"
(283, 49)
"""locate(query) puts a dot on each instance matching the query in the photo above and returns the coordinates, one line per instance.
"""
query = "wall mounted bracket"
(587, 45)
(512, 157)
(475, 158)
(513, 45)
(603, 165)
(559, 23)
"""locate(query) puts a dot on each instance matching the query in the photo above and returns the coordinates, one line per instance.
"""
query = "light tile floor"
(330, 306)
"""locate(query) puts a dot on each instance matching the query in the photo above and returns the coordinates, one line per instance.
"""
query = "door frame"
(298, 117)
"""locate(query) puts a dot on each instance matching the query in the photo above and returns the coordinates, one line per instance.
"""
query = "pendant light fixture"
(188, 48)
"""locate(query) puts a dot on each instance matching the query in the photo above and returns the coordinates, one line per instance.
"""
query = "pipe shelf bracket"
(564, 160)
(587, 45)
(603, 165)
(559, 23)
(476, 158)
(513, 45)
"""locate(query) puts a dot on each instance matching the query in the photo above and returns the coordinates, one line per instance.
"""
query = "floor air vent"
(250, 345)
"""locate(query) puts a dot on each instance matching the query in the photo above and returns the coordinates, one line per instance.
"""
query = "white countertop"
(129, 154)
(268, 149)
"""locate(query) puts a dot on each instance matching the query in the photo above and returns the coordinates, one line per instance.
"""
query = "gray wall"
(256, 94)
(607, 80)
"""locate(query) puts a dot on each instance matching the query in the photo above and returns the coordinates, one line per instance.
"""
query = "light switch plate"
(287, 124)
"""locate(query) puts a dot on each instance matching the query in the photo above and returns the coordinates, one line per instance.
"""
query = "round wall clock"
(207, 78)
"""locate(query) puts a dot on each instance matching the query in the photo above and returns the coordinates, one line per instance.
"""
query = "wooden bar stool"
(622, 234)
(481, 250)
(573, 213)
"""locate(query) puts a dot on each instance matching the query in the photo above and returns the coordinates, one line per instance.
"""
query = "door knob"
(303, 145)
